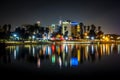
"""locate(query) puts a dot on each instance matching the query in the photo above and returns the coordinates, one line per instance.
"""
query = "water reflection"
(62, 55)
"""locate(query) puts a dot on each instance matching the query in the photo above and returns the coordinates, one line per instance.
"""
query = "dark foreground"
(108, 69)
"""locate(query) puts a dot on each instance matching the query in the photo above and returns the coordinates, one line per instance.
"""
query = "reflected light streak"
(14, 54)
(61, 48)
(30, 49)
(46, 51)
(53, 58)
(33, 51)
(66, 48)
(104, 49)
(78, 55)
(60, 61)
(63, 56)
(40, 52)
(53, 49)
(107, 49)
(49, 50)
(38, 63)
(58, 50)
(92, 49)
(101, 49)
(112, 48)
(118, 49)
(86, 52)
(44, 48)
(73, 61)
(66, 63)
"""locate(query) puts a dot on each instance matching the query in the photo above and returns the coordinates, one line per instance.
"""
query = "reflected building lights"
(57, 53)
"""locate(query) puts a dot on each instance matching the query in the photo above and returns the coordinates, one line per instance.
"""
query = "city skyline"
(101, 13)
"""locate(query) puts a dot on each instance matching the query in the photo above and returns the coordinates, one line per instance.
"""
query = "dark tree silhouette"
(9, 27)
(84, 29)
(99, 33)
(5, 28)
(92, 32)
(81, 30)
(88, 28)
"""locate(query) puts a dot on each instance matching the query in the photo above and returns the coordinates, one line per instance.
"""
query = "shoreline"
(60, 42)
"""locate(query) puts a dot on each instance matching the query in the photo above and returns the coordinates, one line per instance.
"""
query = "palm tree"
(99, 33)
(92, 32)
(84, 29)
(5, 28)
(88, 28)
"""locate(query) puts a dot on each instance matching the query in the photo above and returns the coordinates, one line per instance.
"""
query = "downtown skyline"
(101, 13)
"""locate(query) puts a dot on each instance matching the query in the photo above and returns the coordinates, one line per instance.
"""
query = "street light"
(14, 35)
(33, 37)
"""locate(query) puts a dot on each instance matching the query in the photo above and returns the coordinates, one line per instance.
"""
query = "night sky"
(105, 13)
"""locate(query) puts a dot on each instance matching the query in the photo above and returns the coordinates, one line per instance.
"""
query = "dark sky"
(103, 13)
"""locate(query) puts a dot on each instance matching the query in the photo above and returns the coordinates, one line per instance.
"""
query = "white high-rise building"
(66, 26)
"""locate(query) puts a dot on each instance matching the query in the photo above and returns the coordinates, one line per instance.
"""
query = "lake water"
(62, 59)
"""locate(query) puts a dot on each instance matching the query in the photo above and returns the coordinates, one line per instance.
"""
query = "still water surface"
(63, 58)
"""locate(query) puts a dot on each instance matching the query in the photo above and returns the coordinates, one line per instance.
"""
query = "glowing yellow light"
(103, 37)
(106, 38)
(85, 34)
